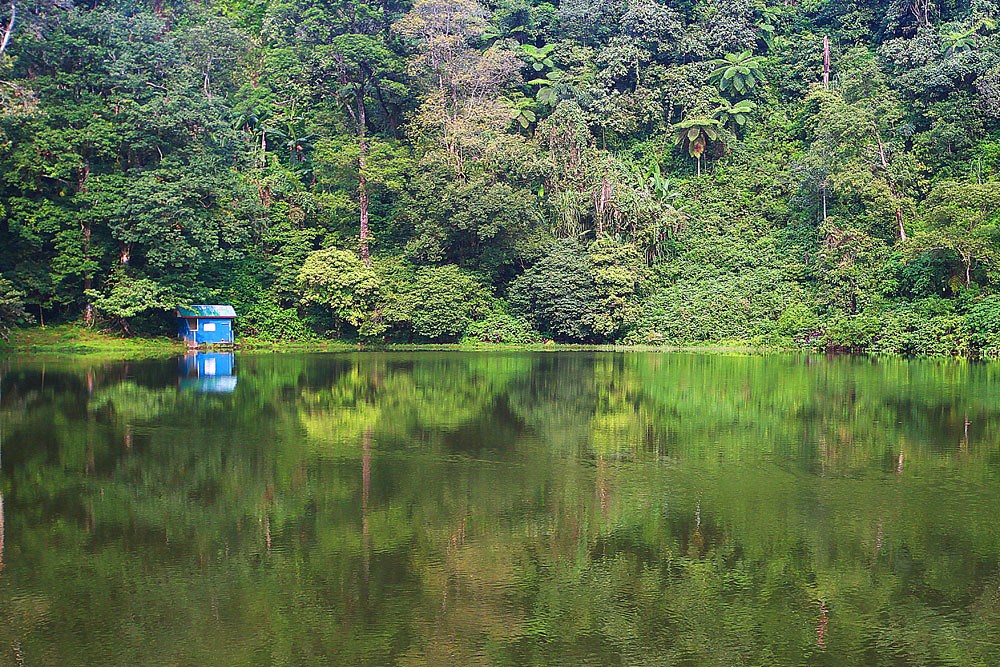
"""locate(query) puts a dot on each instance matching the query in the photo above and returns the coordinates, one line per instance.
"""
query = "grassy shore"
(68, 339)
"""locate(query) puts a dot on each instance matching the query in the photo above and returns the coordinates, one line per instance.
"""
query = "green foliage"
(694, 134)
(499, 326)
(557, 294)
(982, 324)
(340, 281)
(736, 115)
(444, 301)
(751, 308)
(211, 153)
(620, 282)
(12, 311)
(128, 297)
(963, 219)
(737, 73)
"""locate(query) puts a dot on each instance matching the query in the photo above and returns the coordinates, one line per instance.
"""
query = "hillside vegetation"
(821, 173)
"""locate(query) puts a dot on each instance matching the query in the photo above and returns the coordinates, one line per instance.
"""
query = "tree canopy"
(583, 170)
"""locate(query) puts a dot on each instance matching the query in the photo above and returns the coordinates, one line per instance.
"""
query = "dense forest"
(820, 172)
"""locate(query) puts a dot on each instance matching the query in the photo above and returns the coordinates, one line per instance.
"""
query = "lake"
(509, 508)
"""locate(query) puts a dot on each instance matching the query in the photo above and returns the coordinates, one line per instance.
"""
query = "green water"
(566, 508)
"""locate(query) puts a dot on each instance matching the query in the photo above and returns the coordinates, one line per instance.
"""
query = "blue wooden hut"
(206, 325)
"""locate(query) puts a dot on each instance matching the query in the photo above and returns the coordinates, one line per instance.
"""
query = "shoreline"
(65, 340)
(74, 341)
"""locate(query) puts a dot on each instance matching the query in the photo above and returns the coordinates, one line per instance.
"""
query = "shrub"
(499, 326)
(269, 321)
(728, 307)
(982, 326)
(444, 301)
(929, 326)
(12, 310)
(557, 294)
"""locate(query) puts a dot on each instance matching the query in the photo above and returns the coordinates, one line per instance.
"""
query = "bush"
(339, 280)
(444, 301)
(728, 307)
(982, 326)
(800, 323)
(619, 275)
(125, 298)
(501, 327)
(557, 294)
(854, 333)
(929, 326)
(269, 321)
(12, 310)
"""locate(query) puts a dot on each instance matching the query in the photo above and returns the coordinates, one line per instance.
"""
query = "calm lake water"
(446, 508)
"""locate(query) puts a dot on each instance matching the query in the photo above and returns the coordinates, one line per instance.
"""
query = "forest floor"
(68, 339)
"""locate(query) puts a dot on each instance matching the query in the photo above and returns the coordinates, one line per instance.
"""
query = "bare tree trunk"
(88, 310)
(892, 187)
(5, 40)
(85, 230)
(362, 178)
(206, 82)
(826, 61)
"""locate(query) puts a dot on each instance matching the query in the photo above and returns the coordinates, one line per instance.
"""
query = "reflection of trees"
(514, 509)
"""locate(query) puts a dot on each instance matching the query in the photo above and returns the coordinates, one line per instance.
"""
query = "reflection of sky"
(210, 372)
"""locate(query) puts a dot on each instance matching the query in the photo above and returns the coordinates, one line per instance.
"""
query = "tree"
(557, 294)
(12, 311)
(851, 160)
(361, 62)
(462, 108)
(539, 58)
(963, 218)
(444, 301)
(959, 39)
(733, 115)
(737, 73)
(126, 297)
(694, 134)
(620, 283)
(347, 285)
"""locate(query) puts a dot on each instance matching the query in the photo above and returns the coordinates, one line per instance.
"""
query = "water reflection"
(463, 509)
(208, 372)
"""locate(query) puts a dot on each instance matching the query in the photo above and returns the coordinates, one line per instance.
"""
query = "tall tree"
(462, 106)
(362, 63)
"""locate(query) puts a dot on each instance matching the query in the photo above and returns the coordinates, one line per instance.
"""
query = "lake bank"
(76, 341)
(66, 339)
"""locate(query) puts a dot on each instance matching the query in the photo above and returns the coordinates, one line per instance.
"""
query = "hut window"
(209, 326)
(193, 323)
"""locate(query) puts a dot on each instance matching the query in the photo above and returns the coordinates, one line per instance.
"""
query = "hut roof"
(206, 311)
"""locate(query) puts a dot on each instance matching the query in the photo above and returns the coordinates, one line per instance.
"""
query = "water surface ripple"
(450, 508)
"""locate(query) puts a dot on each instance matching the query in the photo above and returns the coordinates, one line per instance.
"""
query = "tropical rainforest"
(820, 173)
